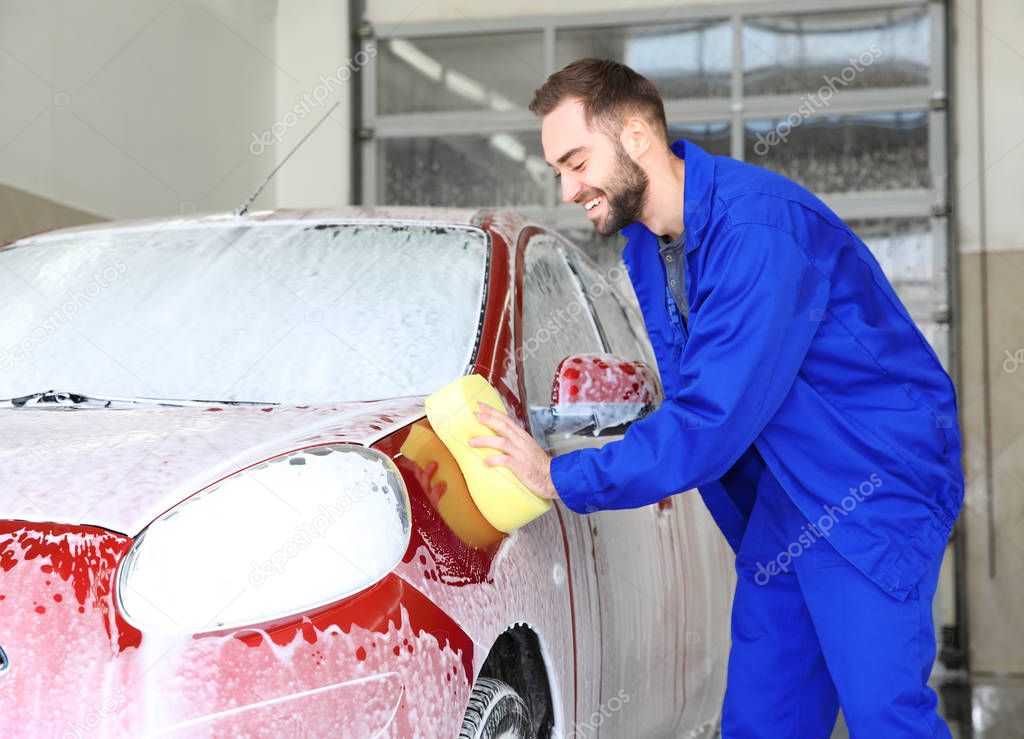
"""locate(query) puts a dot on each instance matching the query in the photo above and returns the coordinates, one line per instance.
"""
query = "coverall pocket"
(824, 556)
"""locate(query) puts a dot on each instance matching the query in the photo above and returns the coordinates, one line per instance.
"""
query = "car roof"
(448, 216)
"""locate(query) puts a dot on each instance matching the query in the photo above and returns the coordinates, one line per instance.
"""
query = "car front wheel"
(495, 711)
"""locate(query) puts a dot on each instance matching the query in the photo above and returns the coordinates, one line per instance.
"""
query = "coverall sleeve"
(748, 340)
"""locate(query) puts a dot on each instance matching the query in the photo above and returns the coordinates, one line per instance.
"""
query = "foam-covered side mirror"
(598, 394)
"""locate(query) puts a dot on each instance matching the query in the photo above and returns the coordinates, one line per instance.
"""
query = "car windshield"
(278, 312)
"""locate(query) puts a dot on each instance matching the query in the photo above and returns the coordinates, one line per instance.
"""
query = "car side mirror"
(598, 395)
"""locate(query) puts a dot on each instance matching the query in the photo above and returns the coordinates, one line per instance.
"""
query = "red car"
(224, 512)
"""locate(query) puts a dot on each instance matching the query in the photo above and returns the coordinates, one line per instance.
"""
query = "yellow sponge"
(446, 489)
(503, 500)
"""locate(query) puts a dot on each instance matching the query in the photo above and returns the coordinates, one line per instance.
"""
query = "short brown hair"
(610, 91)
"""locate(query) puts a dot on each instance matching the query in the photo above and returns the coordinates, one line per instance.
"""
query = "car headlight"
(288, 535)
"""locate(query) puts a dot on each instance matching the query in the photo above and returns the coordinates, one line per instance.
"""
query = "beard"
(625, 194)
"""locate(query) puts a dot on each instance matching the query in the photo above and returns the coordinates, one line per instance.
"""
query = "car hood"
(119, 469)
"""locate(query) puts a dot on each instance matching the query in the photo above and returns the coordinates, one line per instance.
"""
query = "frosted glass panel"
(500, 169)
(800, 53)
(492, 71)
(904, 247)
(714, 138)
(685, 60)
(881, 151)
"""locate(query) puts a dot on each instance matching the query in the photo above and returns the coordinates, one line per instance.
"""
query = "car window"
(239, 310)
(556, 317)
(636, 320)
(623, 337)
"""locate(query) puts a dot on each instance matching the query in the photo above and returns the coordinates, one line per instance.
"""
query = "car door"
(631, 593)
(696, 562)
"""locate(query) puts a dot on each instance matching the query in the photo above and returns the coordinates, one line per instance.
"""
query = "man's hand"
(524, 456)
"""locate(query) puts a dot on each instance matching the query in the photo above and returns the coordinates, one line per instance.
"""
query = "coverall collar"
(698, 189)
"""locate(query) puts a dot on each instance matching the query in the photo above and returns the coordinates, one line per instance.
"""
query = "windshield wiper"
(61, 398)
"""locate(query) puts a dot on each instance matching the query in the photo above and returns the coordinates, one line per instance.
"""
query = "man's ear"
(636, 137)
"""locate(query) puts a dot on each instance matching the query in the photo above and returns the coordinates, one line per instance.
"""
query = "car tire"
(495, 710)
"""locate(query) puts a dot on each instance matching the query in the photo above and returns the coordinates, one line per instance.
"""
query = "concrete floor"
(984, 708)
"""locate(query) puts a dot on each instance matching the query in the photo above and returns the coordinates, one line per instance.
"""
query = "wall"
(415, 11)
(24, 213)
(988, 104)
(123, 110)
(316, 62)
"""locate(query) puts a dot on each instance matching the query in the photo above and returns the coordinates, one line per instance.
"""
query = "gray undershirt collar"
(673, 256)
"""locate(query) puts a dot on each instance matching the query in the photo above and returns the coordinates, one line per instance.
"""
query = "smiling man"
(800, 400)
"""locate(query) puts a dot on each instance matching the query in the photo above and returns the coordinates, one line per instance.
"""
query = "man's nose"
(570, 189)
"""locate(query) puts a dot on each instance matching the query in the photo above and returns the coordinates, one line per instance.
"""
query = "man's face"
(595, 171)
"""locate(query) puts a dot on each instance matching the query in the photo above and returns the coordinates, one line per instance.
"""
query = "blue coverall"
(821, 431)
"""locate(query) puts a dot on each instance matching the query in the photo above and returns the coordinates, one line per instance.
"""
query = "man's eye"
(577, 168)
